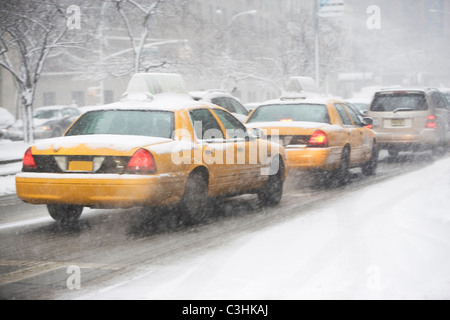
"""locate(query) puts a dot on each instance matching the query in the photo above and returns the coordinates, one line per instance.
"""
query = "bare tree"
(29, 32)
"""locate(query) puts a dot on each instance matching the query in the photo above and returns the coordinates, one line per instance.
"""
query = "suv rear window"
(392, 102)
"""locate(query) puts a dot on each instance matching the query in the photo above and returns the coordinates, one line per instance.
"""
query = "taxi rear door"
(246, 155)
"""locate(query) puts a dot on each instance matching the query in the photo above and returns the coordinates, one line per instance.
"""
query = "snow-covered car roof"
(300, 101)
(54, 108)
(210, 94)
(162, 101)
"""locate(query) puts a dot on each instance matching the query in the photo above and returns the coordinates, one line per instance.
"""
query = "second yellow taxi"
(321, 135)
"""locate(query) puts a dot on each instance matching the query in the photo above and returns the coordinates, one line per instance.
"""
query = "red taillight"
(28, 160)
(141, 162)
(431, 122)
(370, 126)
(318, 139)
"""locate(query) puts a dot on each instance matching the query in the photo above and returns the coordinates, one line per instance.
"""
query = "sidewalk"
(11, 154)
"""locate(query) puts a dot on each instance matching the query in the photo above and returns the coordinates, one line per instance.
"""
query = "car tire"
(341, 176)
(194, 205)
(370, 168)
(64, 213)
(271, 193)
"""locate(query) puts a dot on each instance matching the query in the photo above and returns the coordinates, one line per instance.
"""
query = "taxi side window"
(346, 121)
(206, 126)
(354, 117)
(234, 128)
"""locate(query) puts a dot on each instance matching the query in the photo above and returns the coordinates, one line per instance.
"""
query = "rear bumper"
(424, 140)
(99, 190)
(305, 158)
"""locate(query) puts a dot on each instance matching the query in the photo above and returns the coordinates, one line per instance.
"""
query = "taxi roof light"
(143, 86)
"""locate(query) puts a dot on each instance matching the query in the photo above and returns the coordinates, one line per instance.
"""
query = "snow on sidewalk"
(386, 241)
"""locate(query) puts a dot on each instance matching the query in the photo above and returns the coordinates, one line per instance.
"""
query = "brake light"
(141, 162)
(318, 139)
(370, 126)
(28, 161)
(431, 122)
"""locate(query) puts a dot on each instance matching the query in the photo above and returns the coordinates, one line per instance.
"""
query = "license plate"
(81, 166)
(398, 122)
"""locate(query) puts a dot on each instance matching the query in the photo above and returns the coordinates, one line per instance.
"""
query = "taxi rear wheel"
(342, 175)
(195, 199)
(64, 213)
(272, 192)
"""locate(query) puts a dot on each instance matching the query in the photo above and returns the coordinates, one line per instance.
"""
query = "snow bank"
(387, 241)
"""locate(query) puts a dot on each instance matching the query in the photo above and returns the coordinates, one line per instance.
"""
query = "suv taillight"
(431, 122)
(141, 162)
(28, 161)
(318, 139)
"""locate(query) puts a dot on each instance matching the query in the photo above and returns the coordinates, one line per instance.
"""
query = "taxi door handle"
(240, 149)
(208, 152)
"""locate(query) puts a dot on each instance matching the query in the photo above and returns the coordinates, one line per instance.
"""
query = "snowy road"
(382, 237)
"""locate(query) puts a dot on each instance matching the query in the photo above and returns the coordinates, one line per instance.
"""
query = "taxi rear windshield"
(125, 122)
(291, 112)
(399, 102)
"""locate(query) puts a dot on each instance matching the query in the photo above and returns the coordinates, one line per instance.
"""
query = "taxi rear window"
(125, 122)
(291, 112)
(399, 102)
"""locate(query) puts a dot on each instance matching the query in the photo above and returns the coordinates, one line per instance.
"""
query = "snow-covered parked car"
(48, 122)
(6, 121)
(151, 149)
(224, 100)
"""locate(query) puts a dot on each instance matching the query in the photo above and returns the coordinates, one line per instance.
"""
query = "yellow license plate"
(398, 122)
(81, 166)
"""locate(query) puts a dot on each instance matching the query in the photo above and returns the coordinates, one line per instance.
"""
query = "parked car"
(361, 104)
(224, 100)
(150, 150)
(446, 92)
(6, 121)
(411, 119)
(48, 122)
(320, 135)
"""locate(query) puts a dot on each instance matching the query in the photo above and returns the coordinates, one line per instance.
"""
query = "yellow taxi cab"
(319, 134)
(153, 148)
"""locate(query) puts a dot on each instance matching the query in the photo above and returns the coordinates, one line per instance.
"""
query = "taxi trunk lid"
(90, 153)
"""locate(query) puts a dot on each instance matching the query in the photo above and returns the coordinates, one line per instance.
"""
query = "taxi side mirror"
(255, 133)
(367, 121)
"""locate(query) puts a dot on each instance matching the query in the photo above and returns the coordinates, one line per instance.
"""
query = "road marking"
(28, 269)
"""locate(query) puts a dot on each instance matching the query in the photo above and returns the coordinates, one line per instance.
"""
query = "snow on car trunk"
(96, 144)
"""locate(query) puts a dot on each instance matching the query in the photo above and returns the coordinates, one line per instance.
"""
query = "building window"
(78, 98)
(49, 98)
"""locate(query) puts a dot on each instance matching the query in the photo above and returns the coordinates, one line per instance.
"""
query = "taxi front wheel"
(64, 213)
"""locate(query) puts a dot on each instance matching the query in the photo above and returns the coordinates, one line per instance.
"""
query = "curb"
(9, 161)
